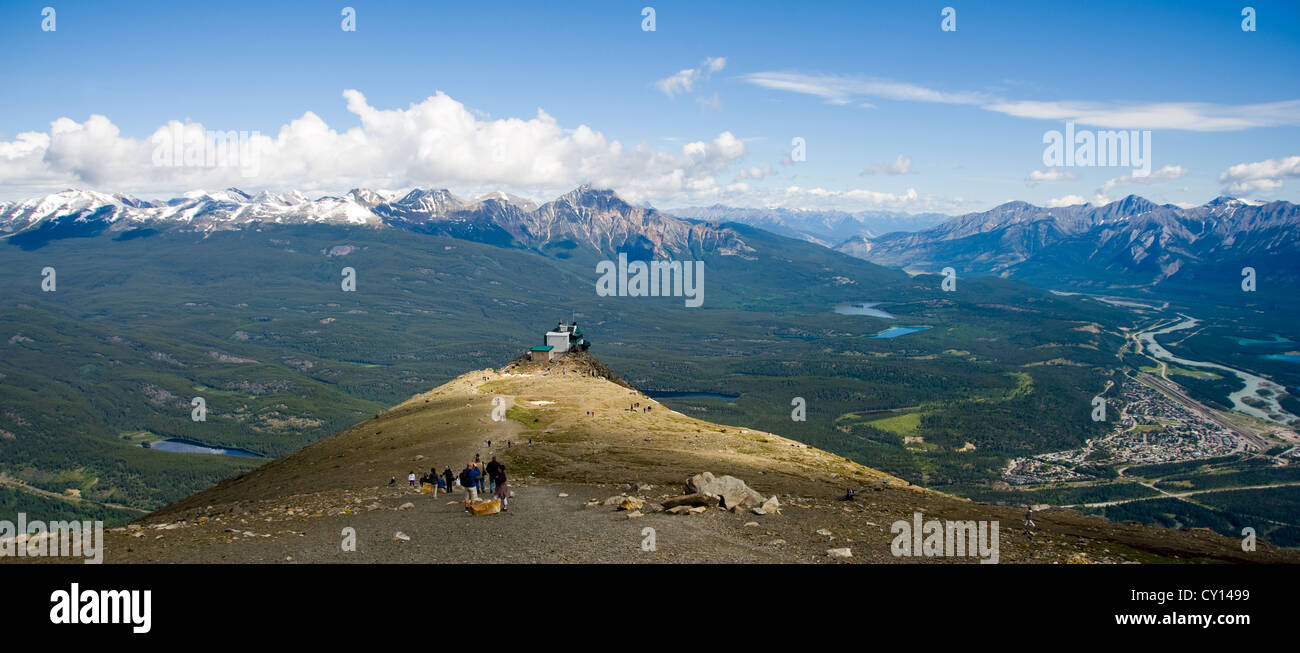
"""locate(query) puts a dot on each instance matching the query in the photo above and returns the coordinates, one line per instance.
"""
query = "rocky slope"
(586, 448)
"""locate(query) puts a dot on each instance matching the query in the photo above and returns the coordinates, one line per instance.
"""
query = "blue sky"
(867, 85)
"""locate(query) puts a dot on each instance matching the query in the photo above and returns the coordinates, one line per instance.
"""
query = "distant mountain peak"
(1130, 242)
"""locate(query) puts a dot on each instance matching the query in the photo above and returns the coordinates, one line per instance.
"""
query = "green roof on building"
(542, 348)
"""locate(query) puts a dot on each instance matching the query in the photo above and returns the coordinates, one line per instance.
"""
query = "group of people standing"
(488, 479)
(492, 478)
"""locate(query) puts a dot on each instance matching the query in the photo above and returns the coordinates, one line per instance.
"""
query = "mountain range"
(594, 219)
(1129, 243)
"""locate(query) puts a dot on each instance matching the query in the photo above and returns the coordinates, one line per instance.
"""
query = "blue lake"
(1276, 340)
(668, 394)
(1290, 358)
(185, 446)
(894, 332)
(862, 308)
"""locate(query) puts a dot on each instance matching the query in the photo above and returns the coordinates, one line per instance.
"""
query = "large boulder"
(731, 492)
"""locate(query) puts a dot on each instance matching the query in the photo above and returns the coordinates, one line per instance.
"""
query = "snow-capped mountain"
(585, 217)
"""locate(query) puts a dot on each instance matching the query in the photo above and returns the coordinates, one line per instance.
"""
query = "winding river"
(1272, 410)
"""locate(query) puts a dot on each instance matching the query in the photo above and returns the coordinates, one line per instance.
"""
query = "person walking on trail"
(503, 488)
(491, 470)
(1029, 517)
(410, 478)
(449, 477)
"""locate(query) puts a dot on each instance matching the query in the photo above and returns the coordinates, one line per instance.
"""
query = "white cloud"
(900, 166)
(1163, 174)
(1190, 116)
(1260, 176)
(435, 142)
(683, 81)
(1068, 200)
(841, 90)
(755, 172)
(862, 196)
(1050, 175)
(712, 102)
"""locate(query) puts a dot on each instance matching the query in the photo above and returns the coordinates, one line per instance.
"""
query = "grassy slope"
(576, 450)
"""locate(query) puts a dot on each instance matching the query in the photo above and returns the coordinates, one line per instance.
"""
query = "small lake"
(668, 394)
(185, 446)
(1290, 358)
(894, 332)
(1249, 342)
(862, 308)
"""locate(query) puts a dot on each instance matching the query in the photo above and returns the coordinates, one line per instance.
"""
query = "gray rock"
(769, 507)
(731, 492)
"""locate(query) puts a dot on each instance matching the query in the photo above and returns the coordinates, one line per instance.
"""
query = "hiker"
(468, 478)
(491, 470)
(530, 443)
(508, 444)
(489, 444)
(848, 496)
(449, 477)
(503, 488)
(410, 478)
(1029, 517)
(392, 482)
